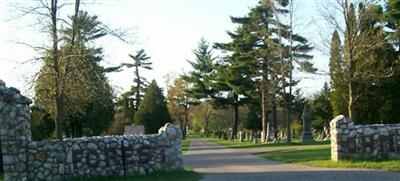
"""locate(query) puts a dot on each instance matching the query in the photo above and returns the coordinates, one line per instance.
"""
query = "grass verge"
(250, 144)
(185, 145)
(320, 157)
(179, 175)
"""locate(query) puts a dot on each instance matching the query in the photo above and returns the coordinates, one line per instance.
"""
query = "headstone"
(306, 136)
(134, 130)
(263, 137)
(224, 136)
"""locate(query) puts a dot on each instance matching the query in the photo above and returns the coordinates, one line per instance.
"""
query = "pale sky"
(167, 29)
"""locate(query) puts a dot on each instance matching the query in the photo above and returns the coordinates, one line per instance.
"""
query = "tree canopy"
(153, 112)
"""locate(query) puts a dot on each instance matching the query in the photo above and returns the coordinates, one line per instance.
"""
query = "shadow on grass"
(307, 175)
(321, 157)
(179, 175)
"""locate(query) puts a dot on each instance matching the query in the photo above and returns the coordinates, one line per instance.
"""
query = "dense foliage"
(153, 112)
(88, 106)
(364, 69)
(244, 84)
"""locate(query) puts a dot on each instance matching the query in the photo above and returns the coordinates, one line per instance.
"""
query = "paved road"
(217, 163)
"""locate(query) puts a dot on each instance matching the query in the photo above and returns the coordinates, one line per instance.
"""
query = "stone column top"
(339, 120)
(11, 95)
(172, 131)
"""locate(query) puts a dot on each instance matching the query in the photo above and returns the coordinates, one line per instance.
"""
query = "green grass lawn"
(250, 144)
(180, 175)
(320, 157)
(185, 145)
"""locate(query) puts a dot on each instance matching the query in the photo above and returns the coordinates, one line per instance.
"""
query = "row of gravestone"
(24, 159)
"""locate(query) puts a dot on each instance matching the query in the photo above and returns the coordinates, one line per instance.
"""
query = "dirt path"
(217, 163)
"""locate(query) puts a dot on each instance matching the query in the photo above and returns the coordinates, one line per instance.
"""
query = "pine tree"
(298, 48)
(153, 111)
(203, 72)
(321, 109)
(199, 80)
(259, 50)
(231, 84)
(140, 61)
(339, 91)
(233, 78)
(392, 21)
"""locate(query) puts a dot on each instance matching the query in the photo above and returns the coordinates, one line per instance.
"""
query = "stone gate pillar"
(173, 153)
(15, 132)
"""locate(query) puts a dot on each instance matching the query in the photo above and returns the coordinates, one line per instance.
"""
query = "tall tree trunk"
(235, 121)
(264, 102)
(59, 97)
(74, 125)
(274, 122)
(264, 116)
(207, 117)
(182, 127)
(289, 101)
(1, 160)
(186, 120)
(137, 89)
(288, 127)
(206, 126)
(351, 91)
(185, 128)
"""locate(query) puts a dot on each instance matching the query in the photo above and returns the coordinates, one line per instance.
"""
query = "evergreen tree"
(298, 48)
(200, 79)
(258, 50)
(369, 62)
(363, 37)
(153, 111)
(321, 109)
(203, 72)
(42, 124)
(140, 61)
(88, 106)
(253, 119)
(233, 84)
(392, 21)
(339, 90)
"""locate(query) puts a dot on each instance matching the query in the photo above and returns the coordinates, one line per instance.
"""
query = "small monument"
(306, 136)
(134, 130)
(241, 135)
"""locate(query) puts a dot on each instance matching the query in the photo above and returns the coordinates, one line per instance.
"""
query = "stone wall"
(24, 159)
(349, 141)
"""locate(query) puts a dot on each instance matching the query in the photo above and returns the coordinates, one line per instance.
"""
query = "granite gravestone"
(134, 130)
